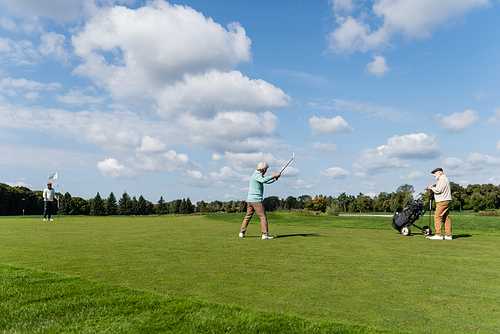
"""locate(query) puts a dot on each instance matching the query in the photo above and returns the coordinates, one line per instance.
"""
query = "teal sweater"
(256, 191)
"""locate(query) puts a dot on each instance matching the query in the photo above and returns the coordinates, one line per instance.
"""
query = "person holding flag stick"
(48, 197)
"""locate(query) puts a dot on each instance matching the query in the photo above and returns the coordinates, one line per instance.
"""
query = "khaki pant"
(442, 215)
(251, 208)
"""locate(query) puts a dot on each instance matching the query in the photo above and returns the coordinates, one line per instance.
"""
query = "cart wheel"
(426, 230)
(406, 230)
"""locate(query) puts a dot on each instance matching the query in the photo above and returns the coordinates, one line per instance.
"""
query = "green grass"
(321, 273)
(41, 302)
(463, 223)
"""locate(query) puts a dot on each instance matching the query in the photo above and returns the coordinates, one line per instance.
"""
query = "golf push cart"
(413, 211)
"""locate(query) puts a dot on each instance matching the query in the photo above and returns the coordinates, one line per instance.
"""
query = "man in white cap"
(442, 195)
(254, 199)
(48, 196)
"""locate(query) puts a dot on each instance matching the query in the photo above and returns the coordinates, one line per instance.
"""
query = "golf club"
(293, 157)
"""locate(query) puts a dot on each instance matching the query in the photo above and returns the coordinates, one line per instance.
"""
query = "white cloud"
(112, 168)
(328, 127)
(121, 132)
(364, 108)
(301, 184)
(77, 97)
(52, 45)
(342, 5)
(174, 56)
(481, 162)
(415, 175)
(169, 161)
(30, 85)
(19, 53)
(32, 95)
(480, 95)
(373, 161)
(334, 173)
(390, 156)
(323, 146)
(494, 120)
(149, 144)
(452, 162)
(394, 18)
(232, 131)
(8, 24)
(227, 174)
(412, 146)
(498, 145)
(205, 95)
(459, 121)
(494, 180)
(247, 162)
(158, 43)
(195, 178)
(303, 78)
(58, 10)
(378, 67)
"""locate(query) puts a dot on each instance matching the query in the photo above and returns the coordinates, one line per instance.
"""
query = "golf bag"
(414, 209)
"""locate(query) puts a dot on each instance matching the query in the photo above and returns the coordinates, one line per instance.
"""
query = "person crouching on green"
(254, 199)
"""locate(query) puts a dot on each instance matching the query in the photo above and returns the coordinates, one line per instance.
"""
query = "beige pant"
(442, 215)
(251, 208)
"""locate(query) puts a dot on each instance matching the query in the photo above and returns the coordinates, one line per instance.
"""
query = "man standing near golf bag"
(442, 195)
(48, 196)
(254, 199)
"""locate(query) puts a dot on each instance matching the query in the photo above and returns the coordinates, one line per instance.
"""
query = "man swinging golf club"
(254, 199)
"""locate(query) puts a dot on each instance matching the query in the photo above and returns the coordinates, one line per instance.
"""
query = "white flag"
(52, 176)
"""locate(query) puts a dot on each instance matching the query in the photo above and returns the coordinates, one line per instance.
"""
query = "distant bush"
(488, 213)
(333, 210)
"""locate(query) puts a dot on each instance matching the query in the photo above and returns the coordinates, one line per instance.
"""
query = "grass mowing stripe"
(42, 302)
(462, 223)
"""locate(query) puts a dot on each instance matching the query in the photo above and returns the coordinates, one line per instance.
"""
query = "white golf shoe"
(448, 237)
(435, 237)
(241, 235)
(266, 237)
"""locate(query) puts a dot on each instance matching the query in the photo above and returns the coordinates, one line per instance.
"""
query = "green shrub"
(488, 213)
(333, 210)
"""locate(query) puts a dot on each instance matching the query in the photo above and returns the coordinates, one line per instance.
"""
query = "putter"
(293, 157)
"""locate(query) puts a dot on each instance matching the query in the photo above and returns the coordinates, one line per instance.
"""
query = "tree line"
(21, 200)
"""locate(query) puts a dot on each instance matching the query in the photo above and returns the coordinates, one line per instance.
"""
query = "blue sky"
(183, 99)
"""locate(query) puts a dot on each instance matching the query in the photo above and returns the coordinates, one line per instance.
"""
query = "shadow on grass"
(298, 235)
(456, 236)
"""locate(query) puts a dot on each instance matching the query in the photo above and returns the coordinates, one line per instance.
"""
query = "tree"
(135, 206)
(189, 206)
(363, 203)
(271, 203)
(407, 188)
(66, 205)
(111, 207)
(291, 203)
(142, 206)
(81, 206)
(124, 205)
(160, 207)
(302, 200)
(97, 206)
(176, 206)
